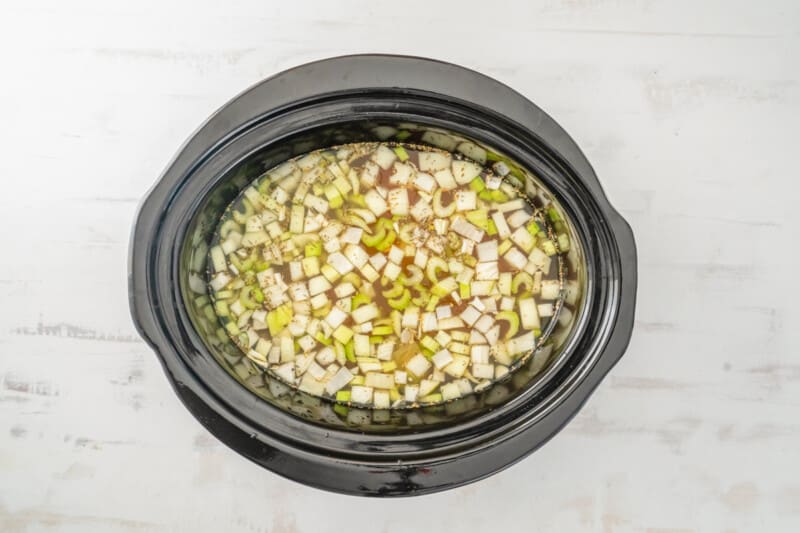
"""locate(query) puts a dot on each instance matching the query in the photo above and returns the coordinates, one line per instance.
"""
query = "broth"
(386, 274)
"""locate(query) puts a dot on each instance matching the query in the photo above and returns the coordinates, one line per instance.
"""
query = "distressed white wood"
(689, 112)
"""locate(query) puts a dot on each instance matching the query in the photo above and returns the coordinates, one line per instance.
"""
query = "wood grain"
(688, 111)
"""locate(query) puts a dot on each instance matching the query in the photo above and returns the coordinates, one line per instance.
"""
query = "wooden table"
(689, 112)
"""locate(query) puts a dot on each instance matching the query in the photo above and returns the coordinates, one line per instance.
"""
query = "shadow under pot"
(403, 446)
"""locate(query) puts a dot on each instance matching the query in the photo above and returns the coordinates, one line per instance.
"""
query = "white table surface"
(688, 111)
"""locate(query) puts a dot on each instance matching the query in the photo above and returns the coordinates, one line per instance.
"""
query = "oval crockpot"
(361, 451)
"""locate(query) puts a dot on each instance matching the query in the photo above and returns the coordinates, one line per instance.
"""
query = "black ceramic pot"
(360, 451)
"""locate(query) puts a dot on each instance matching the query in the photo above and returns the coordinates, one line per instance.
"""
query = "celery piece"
(464, 290)
(221, 307)
(548, 247)
(563, 242)
(341, 409)
(491, 228)
(479, 217)
(387, 241)
(313, 249)
(361, 299)
(400, 303)
(343, 334)
(349, 352)
(435, 265)
(513, 322)
(388, 366)
(401, 153)
(258, 296)
(320, 336)
(521, 279)
(504, 246)
(396, 290)
(533, 228)
(433, 300)
(343, 396)
(485, 195)
(279, 318)
(429, 343)
(499, 196)
(402, 135)
(242, 216)
(477, 184)
(374, 239)
(382, 330)
(246, 297)
(431, 398)
(553, 215)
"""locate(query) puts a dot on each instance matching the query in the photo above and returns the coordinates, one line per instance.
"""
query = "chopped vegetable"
(383, 275)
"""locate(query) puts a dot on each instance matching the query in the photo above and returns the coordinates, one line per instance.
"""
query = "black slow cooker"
(392, 452)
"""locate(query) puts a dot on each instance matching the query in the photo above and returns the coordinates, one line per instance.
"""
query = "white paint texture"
(689, 112)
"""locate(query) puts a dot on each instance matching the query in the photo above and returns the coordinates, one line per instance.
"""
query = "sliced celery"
(402, 302)
(401, 153)
(513, 322)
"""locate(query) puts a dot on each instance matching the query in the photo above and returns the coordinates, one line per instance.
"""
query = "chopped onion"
(381, 400)
(515, 258)
(550, 289)
(470, 315)
(365, 313)
(433, 161)
(427, 386)
(392, 271)
(352, 235)
(465, 171)
(344, 290)
(458, 366)
(384, 157)
(336, 317)
(475, 338)
(528, 314)
(361, 345)
(378, 261)
(484, 323)
(318, 285)
(466, 229)
(376, 203)
(361, 394)
(418, 365)
(429, 322)
(445, 179)
(396, 254)
(511, 205)
(379, 380)
(485, 271)
(480, 353)
(545, 310)
(424, 182)
(483, 370)
(466, 200)
(356, 255)
(398, 201)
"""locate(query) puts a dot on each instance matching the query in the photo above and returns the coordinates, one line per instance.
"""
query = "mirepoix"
(386, 274)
